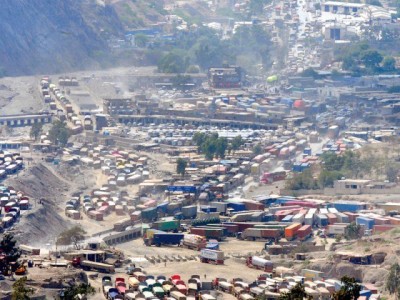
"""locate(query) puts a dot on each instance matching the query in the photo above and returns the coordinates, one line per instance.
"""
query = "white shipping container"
(323, 211)
(212, 254)
(260, 262)
(333, 210)
(308, 220)
(299, 218)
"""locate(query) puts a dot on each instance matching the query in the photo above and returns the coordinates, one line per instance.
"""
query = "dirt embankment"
(43, 223)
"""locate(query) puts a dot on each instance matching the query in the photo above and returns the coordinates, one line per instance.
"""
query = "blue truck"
(164, 238)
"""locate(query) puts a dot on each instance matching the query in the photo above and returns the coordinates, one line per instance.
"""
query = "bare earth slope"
(48, 36)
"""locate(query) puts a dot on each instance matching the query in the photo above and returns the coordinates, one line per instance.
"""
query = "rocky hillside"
(48, 36)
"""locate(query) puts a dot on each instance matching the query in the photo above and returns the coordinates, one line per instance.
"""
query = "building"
(119, 106)
(228, 77)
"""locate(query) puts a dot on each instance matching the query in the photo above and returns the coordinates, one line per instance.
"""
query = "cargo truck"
(261, 233)
(208, 233)
(291, 231)
(164, 238)
(149, 214)
(87, 264)
(260, 263)
(167, 225)
(189, 212)
(193, 241)
(212, 256)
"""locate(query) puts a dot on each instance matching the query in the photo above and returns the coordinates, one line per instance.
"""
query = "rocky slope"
(48, 36)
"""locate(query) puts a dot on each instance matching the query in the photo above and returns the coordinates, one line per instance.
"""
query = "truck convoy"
(212, 256)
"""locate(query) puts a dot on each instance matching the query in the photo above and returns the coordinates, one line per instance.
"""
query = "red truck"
(120, 285)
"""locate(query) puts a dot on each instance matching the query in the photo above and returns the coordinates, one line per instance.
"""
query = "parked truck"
(260, 263)
(167, 225)
(164, 238)
(212, 256)
(189, 212)
(209, 233)
(260, 233)
(193, 241)
(291, 231)
(87, 264)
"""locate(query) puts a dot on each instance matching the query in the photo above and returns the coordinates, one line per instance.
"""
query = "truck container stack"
(291, 231)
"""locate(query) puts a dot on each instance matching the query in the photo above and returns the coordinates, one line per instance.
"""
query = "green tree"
(75, 290)
(327, 178)
(179, 81)
(296, 293)
(221, 146)
(303, 180)
(371, 59)
(193, 69)
(236, 143)
(172, 62)
(181, 165)
(10, 251)
(141, 40)
(310, 72)
(393, 280)
(257, 149)
(59, 133)
(389, 64)
(350, 289)
(71, 236)
(353, 231)
(20, 291)
(36, 131)
(256, 7)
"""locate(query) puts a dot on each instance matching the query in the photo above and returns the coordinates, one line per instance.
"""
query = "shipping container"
(304, 232)
(291, 231)
(322, 220)
(366, 222)
(349, 206)
(336, 229)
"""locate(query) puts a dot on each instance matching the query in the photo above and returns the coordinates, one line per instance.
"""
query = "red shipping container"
(352, 216)
(382, 228)
(381, 221)
(332, 218)
(198, 231)
(242, 226)
(253, 205)
(393, 221)
(302, 204)
(304, 232)
(270, 233)
(232, 228)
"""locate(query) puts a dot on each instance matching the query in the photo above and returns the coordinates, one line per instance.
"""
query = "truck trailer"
(212, 256)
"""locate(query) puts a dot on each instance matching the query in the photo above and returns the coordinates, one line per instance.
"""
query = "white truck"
(212, 256)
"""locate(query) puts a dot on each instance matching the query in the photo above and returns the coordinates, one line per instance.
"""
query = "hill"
(49, 36)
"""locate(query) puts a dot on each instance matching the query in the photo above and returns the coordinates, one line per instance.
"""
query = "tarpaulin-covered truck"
(260, 263)
(212, 256)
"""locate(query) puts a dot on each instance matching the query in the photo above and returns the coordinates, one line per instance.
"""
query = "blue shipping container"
(366, 293)
(236, 206)
(367, 222)
(349, 206)
(322, 220)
